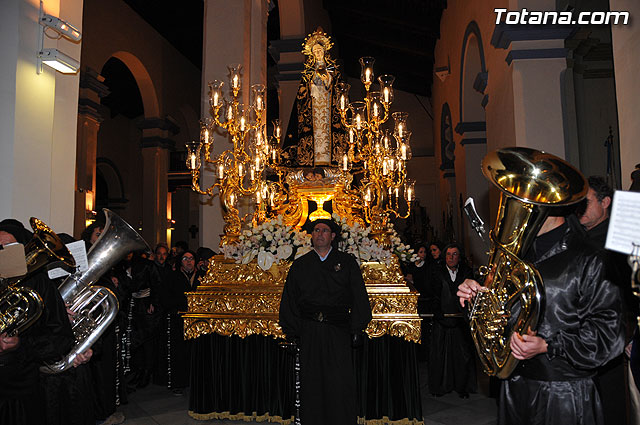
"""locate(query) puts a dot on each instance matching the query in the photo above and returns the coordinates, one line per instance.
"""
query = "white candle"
(220, 171)
(235, 81)
(345, 162)
(241, 123)
(215, 99)
(193, 161)
(367, 75)
(403, 152)
(375, 109)
(386, 94)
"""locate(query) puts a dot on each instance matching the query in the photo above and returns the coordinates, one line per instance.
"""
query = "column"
(235, 32)
(537, 56)
(156, 143)
(90, 116)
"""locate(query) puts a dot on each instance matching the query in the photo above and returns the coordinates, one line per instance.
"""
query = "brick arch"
(145, 83)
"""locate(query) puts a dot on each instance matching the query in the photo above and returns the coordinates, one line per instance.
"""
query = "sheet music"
(79, 252)
(624, 225)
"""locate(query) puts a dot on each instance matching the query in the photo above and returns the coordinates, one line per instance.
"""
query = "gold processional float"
(240, 294)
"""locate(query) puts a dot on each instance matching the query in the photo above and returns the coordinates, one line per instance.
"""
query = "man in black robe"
(50, 338)
(580, 330)
(325, 302)
(451, 354)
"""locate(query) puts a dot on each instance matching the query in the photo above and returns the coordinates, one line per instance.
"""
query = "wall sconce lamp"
(171, 224)
(53, 57)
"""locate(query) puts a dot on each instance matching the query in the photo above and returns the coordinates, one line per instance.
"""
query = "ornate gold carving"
(243, 300)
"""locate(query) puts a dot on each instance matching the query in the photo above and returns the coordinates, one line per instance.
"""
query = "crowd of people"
(144, 345)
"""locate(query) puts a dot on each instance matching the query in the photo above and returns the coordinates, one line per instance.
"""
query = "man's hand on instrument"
(8, 343)
(82, 358)
(527, 345)
(468, 290)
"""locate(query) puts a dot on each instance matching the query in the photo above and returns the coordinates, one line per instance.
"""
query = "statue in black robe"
(323, 304)
(315, 135)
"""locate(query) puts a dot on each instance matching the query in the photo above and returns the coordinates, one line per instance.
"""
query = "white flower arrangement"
(355, 240)
(270, 242)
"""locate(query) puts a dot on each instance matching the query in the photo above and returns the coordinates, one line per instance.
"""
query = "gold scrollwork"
(243, 300)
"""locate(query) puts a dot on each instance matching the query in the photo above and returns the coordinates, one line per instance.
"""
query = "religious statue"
(315, 135)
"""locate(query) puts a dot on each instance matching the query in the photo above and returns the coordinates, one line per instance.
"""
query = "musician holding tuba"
(48, 339)
(580, 329)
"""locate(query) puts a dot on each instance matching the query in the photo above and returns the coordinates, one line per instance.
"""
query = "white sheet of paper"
(624, 225)
(79, 252)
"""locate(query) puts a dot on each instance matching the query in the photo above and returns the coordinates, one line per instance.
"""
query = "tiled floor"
(158, 406)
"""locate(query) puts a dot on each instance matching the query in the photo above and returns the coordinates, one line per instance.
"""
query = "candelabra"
(239, 170)
(385, 190)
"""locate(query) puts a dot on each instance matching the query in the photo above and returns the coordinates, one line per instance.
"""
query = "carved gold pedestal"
(242, 300)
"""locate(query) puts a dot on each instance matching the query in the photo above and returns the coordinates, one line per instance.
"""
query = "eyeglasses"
(185, 258)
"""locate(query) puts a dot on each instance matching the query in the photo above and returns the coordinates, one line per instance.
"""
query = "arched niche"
(144, 81)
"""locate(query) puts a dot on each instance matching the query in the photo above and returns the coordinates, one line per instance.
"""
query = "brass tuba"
(531, 182)
(20, 306)
(94, 306)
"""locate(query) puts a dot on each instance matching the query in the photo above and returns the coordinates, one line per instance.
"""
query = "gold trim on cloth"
(278, 419)
(243, 300)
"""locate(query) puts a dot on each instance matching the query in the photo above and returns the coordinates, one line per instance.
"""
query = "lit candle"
(273, 155)
(385, 171)
(375, 109)
(215, 99)
(251, 173)
(258, 197)
(259, 103)
(386, 142)
(206, 136)
(377, 148)
(257, 162)
(345, 162)
(220, 171)
(236, 81)
(232, 199)
(229, 113)
(397, 192)
(277, 132)
(400, 130)
(386, 94)
(240, 170)
(358, 122)
(351, 136)
(271, 202)
(193, 161)
(343, 103)
(403, 152)
(241, 123)
(409, 194)
(367, 75)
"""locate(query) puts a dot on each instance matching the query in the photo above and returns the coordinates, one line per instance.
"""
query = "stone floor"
(158, 406)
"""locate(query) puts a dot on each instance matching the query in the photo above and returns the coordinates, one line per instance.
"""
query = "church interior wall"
(38, 131)
(626, 38)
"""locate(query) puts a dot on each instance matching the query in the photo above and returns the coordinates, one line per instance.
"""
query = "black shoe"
(463, 395)
(177, 392)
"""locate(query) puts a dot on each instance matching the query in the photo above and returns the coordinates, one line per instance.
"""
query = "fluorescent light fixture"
(59, 61)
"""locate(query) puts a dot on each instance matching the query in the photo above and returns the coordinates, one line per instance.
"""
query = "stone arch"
(108, 173)
(144, 81)
(473, 76)
(190, 119)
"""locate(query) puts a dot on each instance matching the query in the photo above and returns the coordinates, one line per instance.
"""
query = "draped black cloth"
(253, 377)
(583, 327)
(323, 303)
(452, 356)
(48, 340)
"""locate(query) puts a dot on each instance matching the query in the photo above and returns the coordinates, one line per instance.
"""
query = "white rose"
(268, 237)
